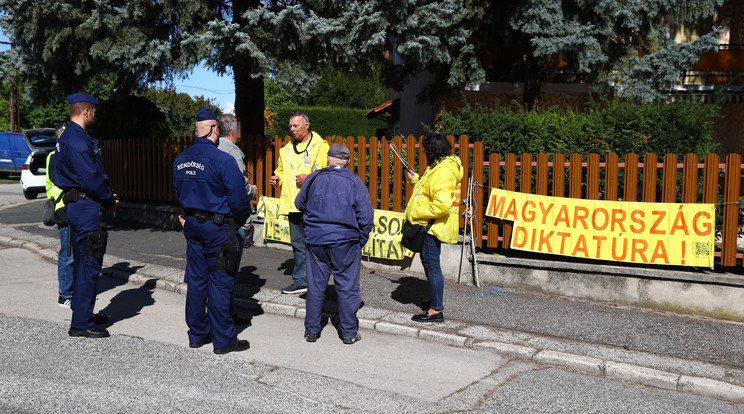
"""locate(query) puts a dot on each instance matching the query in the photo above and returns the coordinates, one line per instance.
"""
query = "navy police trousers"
(208, 294)
(84, 218)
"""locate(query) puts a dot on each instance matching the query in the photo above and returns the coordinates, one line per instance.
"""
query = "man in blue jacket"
(337, 215)
(211, 191)
(78, 171)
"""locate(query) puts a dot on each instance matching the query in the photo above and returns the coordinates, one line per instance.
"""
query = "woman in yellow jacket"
(436, 195)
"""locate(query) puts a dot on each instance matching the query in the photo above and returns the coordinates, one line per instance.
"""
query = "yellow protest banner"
(653, 233)
(276, 226)
(384, 239)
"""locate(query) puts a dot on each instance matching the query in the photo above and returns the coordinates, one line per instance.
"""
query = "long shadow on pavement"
(411, 290)
(128, 303)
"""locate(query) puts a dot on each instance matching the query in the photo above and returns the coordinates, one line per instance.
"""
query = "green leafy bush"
(331, 121)
(612, 127)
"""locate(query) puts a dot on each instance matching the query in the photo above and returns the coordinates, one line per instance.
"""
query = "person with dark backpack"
(64, 260)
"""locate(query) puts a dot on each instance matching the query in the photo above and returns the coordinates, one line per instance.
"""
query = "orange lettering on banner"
(516, 243)
(511, 211)
(581, 246)
(581, 217)
(618, 216)
(631, 232)
(544, 211)
(528, 215)
(659, 253)
(496, 206)
(656, 224)
(562, 217)
(606, 219)
(639, 247)
(635, 219)
(545, 241)
(679, 224)
(707, 227)
(599, 240)
(563, 236)
(614, 250)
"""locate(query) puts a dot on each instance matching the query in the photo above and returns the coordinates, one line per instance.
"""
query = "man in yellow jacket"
(436, 196)
(305, 153)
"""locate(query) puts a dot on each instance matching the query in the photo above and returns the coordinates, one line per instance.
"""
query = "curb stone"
(700, 386)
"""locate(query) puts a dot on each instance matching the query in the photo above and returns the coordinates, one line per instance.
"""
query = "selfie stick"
(405, 164)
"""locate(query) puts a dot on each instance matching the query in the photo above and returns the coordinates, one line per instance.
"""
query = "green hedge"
(330, 121)
(612, 127)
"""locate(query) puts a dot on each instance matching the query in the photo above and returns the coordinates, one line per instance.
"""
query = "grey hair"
(300, 113)
(341, 162)
(227, 124)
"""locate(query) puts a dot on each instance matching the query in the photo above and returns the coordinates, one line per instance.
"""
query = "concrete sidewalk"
(691, 355)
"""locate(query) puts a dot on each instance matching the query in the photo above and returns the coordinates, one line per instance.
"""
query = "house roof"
(385, 110)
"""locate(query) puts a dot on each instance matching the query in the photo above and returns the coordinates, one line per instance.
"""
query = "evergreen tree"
(63, 43)
(624, 46)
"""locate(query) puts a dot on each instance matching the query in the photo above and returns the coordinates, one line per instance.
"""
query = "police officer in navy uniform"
(78, 171)
(211, 191)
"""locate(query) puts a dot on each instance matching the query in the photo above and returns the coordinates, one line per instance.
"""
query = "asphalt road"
(520, 313)
(146, 365)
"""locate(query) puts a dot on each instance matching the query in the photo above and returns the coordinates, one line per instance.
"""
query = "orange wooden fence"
(141, 170)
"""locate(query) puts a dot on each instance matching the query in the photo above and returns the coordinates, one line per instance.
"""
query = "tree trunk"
(532, 79)
(249, 99)
(249, 92)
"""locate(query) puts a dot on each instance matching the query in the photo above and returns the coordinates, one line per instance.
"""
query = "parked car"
(14, 151)
(41, 141)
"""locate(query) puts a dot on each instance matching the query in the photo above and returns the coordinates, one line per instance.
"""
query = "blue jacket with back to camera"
(336, 207)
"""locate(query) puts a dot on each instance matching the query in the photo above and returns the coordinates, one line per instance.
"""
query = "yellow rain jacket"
(312, 156)
(436, 194)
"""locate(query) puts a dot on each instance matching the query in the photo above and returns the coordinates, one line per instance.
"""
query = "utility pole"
(15, 113)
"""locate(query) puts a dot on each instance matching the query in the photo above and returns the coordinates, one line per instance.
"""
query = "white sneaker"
(65, 303)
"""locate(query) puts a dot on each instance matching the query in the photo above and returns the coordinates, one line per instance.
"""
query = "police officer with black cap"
(78, 171)
(211, 191)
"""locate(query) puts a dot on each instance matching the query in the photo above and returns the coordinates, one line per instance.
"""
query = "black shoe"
(311, 337)
(199, 344)
(425, 317)
(89, 333)
(294, 289)
(349, 341)
(239, 345)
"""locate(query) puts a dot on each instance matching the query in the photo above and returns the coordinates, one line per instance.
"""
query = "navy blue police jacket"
(208, 179)
(335, 207)
(78, 165)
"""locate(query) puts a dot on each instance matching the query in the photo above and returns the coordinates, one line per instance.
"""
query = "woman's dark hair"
(436, 147)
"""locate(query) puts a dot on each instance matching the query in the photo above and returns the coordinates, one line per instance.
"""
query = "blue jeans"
(430, 254)
(297, 235)
(64, 265)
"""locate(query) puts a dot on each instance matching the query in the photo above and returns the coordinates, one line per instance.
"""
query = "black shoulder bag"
(413, 235)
